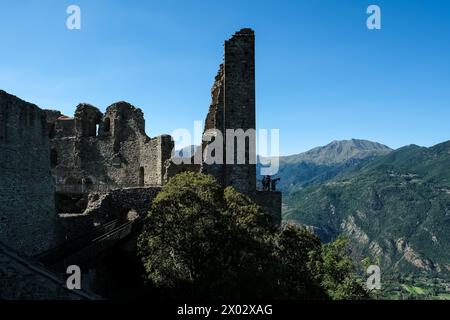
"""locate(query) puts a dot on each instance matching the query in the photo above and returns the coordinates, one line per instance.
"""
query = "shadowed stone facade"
(28, 222)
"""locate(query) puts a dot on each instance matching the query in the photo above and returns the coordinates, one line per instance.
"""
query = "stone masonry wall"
(108, 150)
(240, 103)
(28, 221)
(117, 203)
(105, 207)
(233, 107)
(215, 120)
(153, 159)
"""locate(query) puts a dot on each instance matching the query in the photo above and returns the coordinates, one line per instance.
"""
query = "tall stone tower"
(233, 107)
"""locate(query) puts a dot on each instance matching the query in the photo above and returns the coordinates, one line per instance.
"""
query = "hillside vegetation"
(395, 209)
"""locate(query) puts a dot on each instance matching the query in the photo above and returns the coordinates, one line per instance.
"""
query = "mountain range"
(393, 205)
(324, 163)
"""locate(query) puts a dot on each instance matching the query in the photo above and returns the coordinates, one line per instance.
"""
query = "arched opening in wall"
(53, 158)
(107, 125)
(96, 129)
(141, 176)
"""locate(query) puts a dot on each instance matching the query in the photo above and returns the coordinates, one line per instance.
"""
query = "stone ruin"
(106, 151)
(61, 175)
(95, 152)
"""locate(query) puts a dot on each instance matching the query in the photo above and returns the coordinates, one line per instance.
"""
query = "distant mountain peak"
(392, 207)
(340, 151)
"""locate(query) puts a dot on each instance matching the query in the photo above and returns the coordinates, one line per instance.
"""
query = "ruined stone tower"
(233, 107)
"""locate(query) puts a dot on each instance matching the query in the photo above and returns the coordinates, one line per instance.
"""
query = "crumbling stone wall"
(104, 207)
(233, 107)
(108, 150)
(27, 209)
(215, 120)
(117, 203)
(154, 157)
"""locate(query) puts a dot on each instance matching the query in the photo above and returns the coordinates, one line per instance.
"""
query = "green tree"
(292, 246)
(333, 267)
(202, 241)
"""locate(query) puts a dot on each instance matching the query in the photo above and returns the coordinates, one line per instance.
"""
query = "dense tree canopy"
(333, 268)
(202, 241)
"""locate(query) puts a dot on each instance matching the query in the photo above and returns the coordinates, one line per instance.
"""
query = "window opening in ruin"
(107, 125)
(53, 158)
(247, 150)
(96, 130)
(141, 176)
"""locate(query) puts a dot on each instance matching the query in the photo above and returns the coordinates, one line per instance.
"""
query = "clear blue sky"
(321, 74)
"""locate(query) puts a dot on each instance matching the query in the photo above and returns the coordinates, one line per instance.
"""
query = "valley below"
(392, 205)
